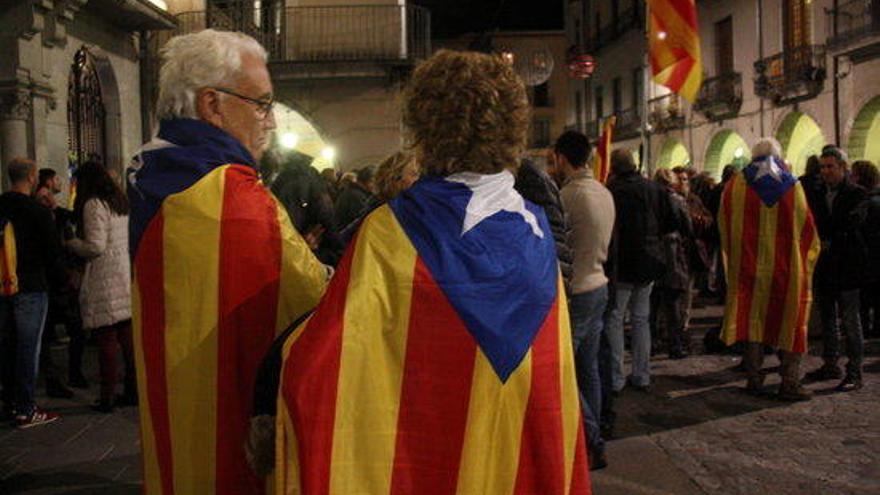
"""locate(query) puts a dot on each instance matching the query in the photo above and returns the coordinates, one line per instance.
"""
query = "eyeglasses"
(264, 107)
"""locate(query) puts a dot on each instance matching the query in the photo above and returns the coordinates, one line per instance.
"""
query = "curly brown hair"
(466, 112)
(390, 174)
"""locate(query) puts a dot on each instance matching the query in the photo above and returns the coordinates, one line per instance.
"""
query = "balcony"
(855, 29)
(795, 75)
(720, 97)
(334, 41)
(666, 113)
(628, 125)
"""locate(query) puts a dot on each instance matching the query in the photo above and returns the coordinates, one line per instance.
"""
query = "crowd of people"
(392, 320)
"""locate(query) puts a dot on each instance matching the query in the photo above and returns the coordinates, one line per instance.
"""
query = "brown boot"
(791, 389)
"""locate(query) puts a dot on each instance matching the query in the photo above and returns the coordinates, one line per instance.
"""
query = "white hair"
(767, 146)
(199, 60)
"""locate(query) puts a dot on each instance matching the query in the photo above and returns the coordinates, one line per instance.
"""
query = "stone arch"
(726, 147)
(800, 137)
(672, 154)
(864, 138)
(295, 131)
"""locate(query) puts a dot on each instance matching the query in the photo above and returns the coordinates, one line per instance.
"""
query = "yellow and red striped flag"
(602, 160)
(674, 46)
(419, 374)
(218, 272)
(770, 246)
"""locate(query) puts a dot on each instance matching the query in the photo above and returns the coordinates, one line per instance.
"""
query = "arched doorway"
(86, 114)
(800, 137)
(726, 148)
(864, 139)
(296, 133)
(673, 154)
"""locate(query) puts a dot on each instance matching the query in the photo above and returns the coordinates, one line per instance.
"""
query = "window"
(616, 95)
(540, 133)
(797, 23)
(724, 46)
(638, 81)
(541, 96)
(600, 107)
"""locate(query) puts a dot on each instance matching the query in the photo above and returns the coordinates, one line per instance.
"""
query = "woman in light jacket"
(100, 211)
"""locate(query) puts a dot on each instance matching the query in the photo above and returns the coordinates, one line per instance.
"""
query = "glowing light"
(661, 35)
(508, 57)
(328, 153)
(738, 153)
(289, 140)
(159, 3)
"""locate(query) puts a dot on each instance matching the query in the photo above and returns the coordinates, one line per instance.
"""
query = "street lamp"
(328, 153)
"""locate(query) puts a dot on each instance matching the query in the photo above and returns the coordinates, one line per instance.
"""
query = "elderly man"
(218, 268)
(441, 359)
(770, 246)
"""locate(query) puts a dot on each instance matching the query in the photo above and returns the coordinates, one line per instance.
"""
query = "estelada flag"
(602, 160)
(440, 360)
(770, 247)
(218, 272)
(674, 46)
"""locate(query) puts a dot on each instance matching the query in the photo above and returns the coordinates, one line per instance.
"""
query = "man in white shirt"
(590, 208)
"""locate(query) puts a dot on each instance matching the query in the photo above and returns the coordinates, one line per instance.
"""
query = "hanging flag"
(440, 359)
(674, 46)
(218, 272)
(770, 247)
(602, 159)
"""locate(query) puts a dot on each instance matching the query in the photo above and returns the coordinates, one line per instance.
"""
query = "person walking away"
(644, 216)
(770, 247)
(218, 269)
(23, 307)
(591, 214)
(839, 271)
(100, 211)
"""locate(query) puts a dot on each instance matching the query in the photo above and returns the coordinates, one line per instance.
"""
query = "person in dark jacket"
(865, 174)
(355, 197)
(839, 270)
(644, 216)
(537, 186)
(306, 197)
(23, 314)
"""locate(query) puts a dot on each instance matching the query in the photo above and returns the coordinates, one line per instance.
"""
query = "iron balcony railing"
(361, 33)
(793, 75)
(852, 21)
(628, 124)
(666, 112)
(721, 96)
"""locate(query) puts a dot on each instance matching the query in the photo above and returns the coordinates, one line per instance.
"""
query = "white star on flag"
(769, 167)
(491, 194)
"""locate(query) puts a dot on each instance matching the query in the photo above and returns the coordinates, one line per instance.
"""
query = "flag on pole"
(602, 159)
(674, 46)
(770, 247)
(440, 359)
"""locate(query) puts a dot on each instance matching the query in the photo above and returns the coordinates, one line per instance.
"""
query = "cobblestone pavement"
(693, 433)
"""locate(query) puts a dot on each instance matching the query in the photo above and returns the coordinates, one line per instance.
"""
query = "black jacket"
(36, 241)
(351, 204)
(844, 256)
(536, 186)
(868, 218)
(644, 216)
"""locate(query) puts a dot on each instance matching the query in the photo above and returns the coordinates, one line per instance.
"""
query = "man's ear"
(208, 106)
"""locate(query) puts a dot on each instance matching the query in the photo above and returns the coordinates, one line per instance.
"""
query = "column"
(15, 111)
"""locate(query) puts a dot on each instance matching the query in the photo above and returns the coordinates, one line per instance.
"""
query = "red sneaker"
(36, 418)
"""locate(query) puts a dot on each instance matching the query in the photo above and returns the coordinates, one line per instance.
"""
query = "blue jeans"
(22, 317)
(636, 297)
(847, 302)
(587, 311)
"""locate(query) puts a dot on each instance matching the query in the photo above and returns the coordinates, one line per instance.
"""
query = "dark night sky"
(450, 18)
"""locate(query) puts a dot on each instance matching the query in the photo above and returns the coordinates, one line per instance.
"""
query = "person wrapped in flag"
(218, 270)
(770, 247)
(440, 360)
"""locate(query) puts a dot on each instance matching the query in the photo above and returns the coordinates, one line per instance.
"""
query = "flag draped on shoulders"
(440, 360)
(674, 46)
(770, 246)
(218, 272)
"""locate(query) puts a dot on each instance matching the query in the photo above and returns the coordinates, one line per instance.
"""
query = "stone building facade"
(804, 71)
(70, 80)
